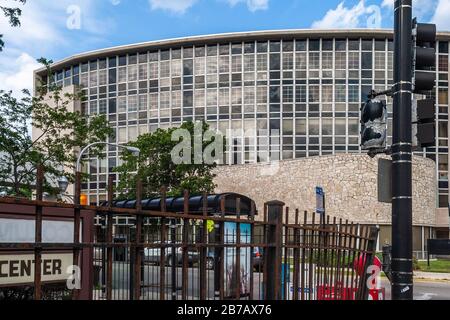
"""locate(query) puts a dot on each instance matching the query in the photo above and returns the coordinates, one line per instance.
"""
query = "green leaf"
(156, 169)
(61, 134)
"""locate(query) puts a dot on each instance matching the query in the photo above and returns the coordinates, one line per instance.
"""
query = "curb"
(432, 280)
(432, 277)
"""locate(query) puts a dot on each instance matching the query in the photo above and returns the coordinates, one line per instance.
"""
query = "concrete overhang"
(227, 37)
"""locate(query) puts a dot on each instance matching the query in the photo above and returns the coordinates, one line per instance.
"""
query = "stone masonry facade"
(349, 181)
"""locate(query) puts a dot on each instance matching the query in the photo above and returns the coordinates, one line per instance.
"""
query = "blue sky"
(57, 29)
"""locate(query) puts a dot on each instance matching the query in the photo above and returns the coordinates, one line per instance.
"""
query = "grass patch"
(438, 266)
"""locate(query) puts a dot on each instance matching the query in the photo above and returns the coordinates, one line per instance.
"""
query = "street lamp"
(133, 150)
(63, 184)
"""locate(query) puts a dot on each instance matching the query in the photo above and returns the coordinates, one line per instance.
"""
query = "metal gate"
(203, 253)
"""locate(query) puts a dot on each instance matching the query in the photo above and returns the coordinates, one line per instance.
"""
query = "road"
(151, 280)
(425, 290)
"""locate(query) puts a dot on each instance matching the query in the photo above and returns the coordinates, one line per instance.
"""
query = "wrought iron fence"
(133, 253)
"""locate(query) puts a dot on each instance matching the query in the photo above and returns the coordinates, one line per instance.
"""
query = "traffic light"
(425, 124)
(373, 125)
(424, 41)
(424, 79)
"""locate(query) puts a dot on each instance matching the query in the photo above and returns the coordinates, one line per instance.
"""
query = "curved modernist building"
(307, 84)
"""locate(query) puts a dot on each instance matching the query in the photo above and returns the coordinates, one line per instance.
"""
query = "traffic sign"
(320, 200)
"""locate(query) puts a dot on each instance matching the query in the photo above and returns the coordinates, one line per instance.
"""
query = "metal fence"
(139, 254)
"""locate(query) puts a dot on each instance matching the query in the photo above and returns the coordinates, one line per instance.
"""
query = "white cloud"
(91, 23)
(440, 17)
(253, 5)
(17, 72)
(421, 8)
(35, 28)
(43, 32)
(181, 6)
(359, 15)
(370, 16)
(175, 6)
(44, 24)
(37, 34)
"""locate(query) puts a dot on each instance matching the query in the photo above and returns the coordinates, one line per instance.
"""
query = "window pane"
(340, 127)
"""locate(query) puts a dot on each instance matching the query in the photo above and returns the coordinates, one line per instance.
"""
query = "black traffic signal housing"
(426, 123)
(424, 42)
(373, 125)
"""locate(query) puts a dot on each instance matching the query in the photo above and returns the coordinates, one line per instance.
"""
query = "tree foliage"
(157, 169)
(13, 15)
(61, 131)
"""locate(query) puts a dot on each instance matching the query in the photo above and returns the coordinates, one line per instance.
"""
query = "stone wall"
(349, 180)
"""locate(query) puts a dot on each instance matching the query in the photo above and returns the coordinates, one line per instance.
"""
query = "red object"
(377, 294)
(327, 293)
(360, 263)
(339, 292)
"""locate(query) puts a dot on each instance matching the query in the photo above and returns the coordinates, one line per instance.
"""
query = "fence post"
(173, 271)
(109, 240)
(252, 242)
(76, 227)
(274, 249)
(138, 250)
(164, 241)
(219, 254)
(38, 235)
(204, 249)
(237, 277)
(297, 242)
(185, 247)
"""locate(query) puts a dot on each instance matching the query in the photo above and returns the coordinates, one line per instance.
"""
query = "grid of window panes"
(310, 90)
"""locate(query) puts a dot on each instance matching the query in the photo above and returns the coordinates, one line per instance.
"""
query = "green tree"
(13, 15)
(61, 133)
(157, 169)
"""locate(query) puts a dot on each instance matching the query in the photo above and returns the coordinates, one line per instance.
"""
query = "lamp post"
(135, 151)
(63, 184)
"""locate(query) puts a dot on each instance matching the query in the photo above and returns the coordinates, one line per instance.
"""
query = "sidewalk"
(431, 276)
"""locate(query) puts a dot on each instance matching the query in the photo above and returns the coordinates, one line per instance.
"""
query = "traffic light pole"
(402, 264)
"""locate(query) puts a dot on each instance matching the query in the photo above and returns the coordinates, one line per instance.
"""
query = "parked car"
(258, 260)
(153, 255)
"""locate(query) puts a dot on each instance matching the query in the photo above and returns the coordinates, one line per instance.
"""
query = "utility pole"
(402, 263)
(414, 60)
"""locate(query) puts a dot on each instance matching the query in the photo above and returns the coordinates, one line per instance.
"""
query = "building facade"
(305, 85)
(350, 182)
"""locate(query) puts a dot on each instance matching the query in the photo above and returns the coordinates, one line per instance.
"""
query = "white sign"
(320, 203)
(19, 268)
(231, 268)
(23, 231)
(309, 293)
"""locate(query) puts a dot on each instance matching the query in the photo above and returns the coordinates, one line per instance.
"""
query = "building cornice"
(226, 37)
